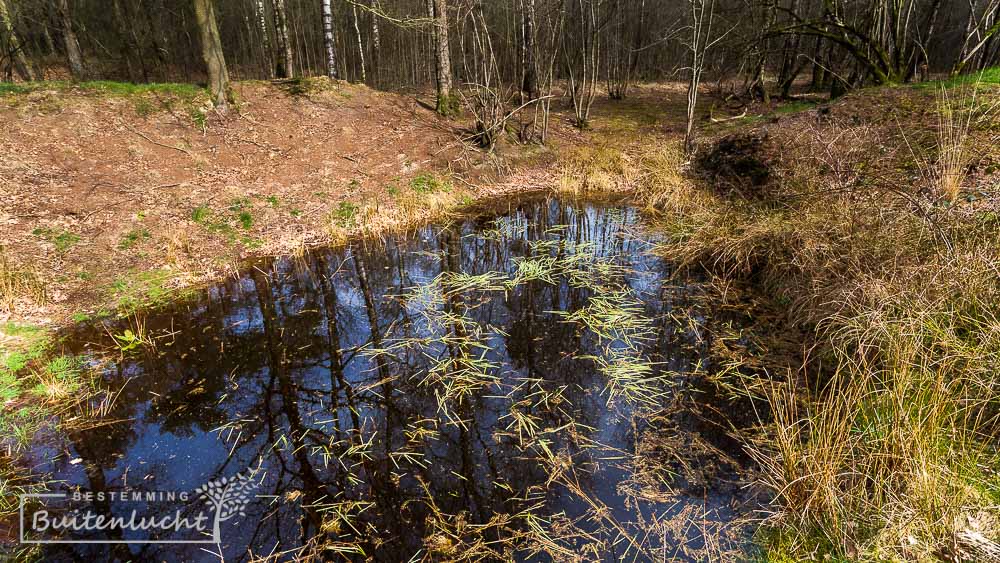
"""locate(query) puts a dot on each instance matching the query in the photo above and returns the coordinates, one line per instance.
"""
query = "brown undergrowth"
(881, 439)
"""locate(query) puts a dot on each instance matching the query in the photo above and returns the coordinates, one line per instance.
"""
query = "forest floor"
(112, 196)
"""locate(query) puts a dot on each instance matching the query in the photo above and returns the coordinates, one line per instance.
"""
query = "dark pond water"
(517, 385)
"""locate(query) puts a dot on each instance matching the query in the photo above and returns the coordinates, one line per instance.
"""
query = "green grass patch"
(131, 89)
(80, 317)
(35, 386)
(30, 343)
(63, 240)
(133, 237)
(987, 77)
(10, 88)
(201, 214)
(11, 328)
(33, 382)
(239, 215)
(143, 289)
(146, 99)
(105, 87)
(428, 184)
(345, 214)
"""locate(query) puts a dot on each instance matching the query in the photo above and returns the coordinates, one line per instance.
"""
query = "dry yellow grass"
(18, 283)
(885, 447)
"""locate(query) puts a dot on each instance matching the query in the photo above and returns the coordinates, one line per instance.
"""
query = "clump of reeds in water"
(445, 351)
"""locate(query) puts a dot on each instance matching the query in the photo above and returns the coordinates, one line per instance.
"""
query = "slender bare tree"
(286, 58)
(71, 43)
(437, 10)
(702, 17)
(376, 41)
(264, 35)
(211, 52)
(529, 82)
(361, 45)
(979, 32)
(329, 42)
(583, 63)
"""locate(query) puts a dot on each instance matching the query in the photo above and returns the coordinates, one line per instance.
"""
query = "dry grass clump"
(601, 167)
(17, 283)
(959, 111)
(652, 173)
(427, 197)
(894, 454)
(885, 446)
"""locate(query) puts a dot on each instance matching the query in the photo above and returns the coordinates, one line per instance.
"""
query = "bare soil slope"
(141, 191)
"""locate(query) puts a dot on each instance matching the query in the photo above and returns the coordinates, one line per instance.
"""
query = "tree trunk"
(758, 87)
(328, 40)
(990, 50)
(438, 12)
(790, 66)
(361, 46)
(264, 36)
(530, 83)
(376, 44)
(985, 55)
(73, 56)
(286, 61)
(14, 44)
(918, 58)
(819, 74)
(211, 52)
(969, 23)
(129, 49)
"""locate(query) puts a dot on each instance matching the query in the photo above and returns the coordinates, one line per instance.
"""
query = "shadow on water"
(515, 385)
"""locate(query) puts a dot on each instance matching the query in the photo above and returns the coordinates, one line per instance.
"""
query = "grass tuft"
(18, 283)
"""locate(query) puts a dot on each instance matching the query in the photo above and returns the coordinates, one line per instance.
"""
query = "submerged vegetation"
(487, 389)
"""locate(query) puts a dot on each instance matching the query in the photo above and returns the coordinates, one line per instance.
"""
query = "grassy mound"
(883, 442)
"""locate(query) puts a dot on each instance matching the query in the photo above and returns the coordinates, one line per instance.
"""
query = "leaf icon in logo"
(229, 497)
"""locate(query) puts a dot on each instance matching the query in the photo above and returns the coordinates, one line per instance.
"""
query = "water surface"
(517, 385)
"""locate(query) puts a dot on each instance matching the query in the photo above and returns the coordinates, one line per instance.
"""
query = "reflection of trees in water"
(275, 359)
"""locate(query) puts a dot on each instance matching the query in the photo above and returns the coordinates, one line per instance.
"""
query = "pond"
(521, 384)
